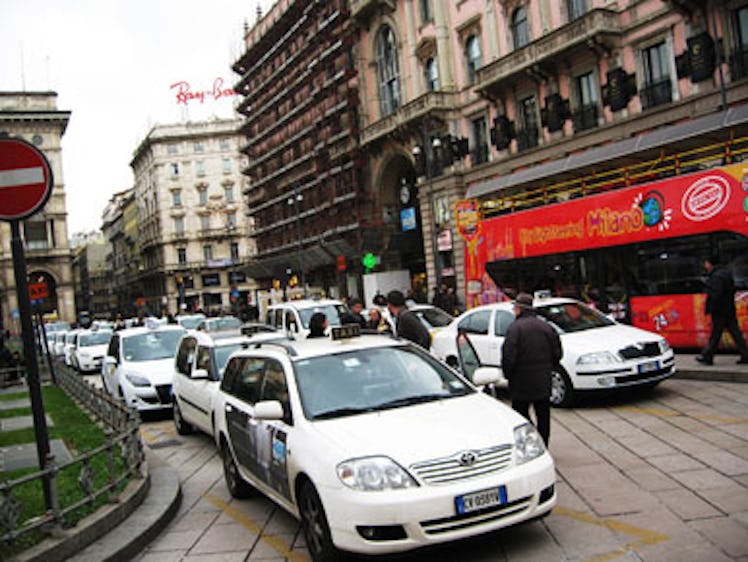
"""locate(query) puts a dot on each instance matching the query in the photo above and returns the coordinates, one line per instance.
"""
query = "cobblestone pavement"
(655, 476)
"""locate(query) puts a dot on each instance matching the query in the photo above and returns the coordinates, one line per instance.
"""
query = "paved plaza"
(656, 476)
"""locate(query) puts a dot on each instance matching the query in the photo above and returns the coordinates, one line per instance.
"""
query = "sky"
(114, 64)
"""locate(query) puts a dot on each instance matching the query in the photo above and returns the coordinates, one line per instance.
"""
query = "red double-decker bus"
(636, 253)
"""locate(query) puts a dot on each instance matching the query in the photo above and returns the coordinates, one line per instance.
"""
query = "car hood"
(424, 431)
(608, 338)
(158, 372)
(95, 350)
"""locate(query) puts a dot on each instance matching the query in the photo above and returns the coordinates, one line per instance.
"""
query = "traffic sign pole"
(25, 187)
(29, 351)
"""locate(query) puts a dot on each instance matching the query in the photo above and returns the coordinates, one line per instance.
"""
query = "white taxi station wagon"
(376, 446)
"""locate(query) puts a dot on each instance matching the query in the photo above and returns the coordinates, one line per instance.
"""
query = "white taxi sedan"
(599, 353)
(89, 349)
(139, 365)
(376, 446)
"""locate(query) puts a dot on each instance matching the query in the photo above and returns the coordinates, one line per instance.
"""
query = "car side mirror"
(486, 375)
(268, 410)
(200, 374)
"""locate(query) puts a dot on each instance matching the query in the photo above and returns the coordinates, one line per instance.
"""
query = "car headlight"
(664, 346)
(528, 444)
(597, 358)
(137, 380)
(374, 474)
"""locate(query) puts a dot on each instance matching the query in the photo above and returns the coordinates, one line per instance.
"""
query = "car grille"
(452, 469)
(643, 377)
(457, 522)
(649, 349)
(164, 393)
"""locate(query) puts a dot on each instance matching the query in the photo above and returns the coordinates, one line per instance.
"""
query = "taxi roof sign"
(347, 331)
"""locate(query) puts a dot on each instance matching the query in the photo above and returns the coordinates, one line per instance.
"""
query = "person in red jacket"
(531, 350)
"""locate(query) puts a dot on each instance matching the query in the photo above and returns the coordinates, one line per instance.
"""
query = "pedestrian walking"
(317, 325)
(720, 305)
(407, 324)
(531, 350)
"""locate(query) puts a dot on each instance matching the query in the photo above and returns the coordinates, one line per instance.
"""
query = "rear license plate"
(649, 366)
(481, 500)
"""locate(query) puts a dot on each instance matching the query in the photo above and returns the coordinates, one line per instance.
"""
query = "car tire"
(182, 427)
(315, 527)
(562, 391)
(238, 487)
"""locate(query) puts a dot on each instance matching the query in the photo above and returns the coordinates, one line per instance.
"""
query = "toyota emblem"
(468, 458)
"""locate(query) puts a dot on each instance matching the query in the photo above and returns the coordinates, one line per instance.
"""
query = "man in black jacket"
(407, 324)
(720, 305)
(531, 350)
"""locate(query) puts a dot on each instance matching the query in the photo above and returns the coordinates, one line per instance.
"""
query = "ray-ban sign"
(185, 94)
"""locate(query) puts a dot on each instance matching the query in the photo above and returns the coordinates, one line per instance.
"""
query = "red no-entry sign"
(25, 179)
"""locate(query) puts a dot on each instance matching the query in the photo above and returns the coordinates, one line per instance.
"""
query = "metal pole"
(430, 162)
(32, 367)
(296, 199)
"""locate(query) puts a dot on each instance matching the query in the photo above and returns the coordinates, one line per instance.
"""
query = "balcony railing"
(597, 27)
(585, 117)
(656, 93)
(408, 114)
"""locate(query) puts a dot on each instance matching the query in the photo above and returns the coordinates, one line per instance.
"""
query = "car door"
(199, 391)
(109, 365)
(242, 386)
(184, 364)
(477, 327)
(271, 441)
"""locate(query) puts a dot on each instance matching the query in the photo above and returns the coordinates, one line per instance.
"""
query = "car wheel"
(183, 428)
(315, 527)
(238, 487)
(562, 392)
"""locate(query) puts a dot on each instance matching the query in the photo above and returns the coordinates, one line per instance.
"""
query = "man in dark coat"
(354, 316)
(531, 350)
(720, 305)
(407, 324)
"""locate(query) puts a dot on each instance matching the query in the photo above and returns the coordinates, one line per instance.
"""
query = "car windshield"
(190, 322)
(573, 317)
(334, 313)
(223, 323)
(373, 379)
(222, 353)
(434, 317)
(149, 346)
(94, 338)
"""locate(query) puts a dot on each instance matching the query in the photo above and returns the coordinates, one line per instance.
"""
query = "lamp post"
(430, 164)
(294, 200)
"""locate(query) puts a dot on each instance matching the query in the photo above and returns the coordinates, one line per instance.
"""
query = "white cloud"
(112, 64)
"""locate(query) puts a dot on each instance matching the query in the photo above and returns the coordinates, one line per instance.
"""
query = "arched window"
(432, 75)
(472, 56)
(389, 75)
(520, 29)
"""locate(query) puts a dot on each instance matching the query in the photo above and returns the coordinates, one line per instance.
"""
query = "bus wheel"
(562, 392)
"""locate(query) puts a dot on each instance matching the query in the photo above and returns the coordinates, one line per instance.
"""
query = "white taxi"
(599, 353)
(139, 365)
(376, 446)
(198, 369)
(89, 349)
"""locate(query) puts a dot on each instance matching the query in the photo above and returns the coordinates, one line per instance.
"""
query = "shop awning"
(693, 133)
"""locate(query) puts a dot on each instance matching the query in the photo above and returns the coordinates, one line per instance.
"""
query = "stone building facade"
(34, 117)
(192, 232)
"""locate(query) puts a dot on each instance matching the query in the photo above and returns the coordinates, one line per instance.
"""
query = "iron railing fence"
(103, 471)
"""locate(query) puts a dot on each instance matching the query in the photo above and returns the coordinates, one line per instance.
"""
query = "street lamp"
(430, 165)
(295, 200)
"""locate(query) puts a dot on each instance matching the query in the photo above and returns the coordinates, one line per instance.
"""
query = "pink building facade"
(498, 101)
